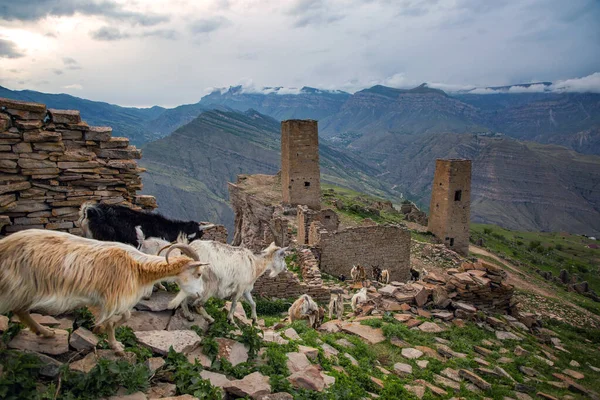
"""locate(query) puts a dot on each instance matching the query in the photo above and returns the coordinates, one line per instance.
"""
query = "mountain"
(125, 121)
(518, 185)
(280, 103)
(188, 170)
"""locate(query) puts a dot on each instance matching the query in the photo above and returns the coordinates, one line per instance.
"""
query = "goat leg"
(234, 301)
(200, 310)
(112, 340)
(248, 297)
(35, 327)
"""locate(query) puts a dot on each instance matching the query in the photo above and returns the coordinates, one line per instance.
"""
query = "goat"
(56, 272)
(115, 223)
(385, 276)
(376, 273)
(358, 273)
(304, 308)
(414, 274)
(336, 304)
(359, 298)
(231, 272)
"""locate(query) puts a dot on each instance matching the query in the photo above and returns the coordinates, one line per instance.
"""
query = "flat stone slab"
(411, 353)
(27, 340)
(370, 335)
(270, 336)
(402, 369)
(297, 362)
(87, 363)
(160, 341)
(83, 340)
(45, 320)
(216, 379)
(158, 302)
(292, 334)
(475, 379)
(332, 326)
(329, 350)
(431, 327)
(234, 352)
(179, 322)
(309, 378)
(198, 355)
(253, 385)
(504, 335)
(148, 321)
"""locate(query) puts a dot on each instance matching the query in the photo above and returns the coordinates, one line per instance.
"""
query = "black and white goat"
(115, 223)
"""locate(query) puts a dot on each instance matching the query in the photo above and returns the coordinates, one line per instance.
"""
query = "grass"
(545, 251)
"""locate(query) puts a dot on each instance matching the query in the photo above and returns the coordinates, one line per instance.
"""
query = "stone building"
(450, 207)
(300, 172)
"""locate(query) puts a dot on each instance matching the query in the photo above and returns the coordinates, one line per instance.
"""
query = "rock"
(481, 361)
(160, 341)
(504, 335)
(440, 380)
(344, 343)
(291, 334)
(501, 372)
(154, 363)
(218, 380)
(522, 396)
(276, 396)
(179, 322)
(55, 345)
(133, 396)
(436, 390)
(431, 327)
(573, 374)
(253, 386)
(50, 367)
(309, 352)
(422, 363)
(198, 355)
(46, 320)
(451, 373)
(574, 363)
(162, 390)
(332, 326)
(388, 290)
(270, 336)
(505, 360)
(378, 382)
(528, 371)
(239, 312)
(402, 317)
(148, 321)
(83, 340)
(448, 352)
(411, 353)
(87, 363)
(352, 359)
(368, 334)
(521, 352)
(475, 379)
(546, 396)
(459, 305)
(329, 350)
(545, 360)
(402, 369)
(421, 297)
(444, 315)
(232, 351)
(483, 351)
(297, 362)
(158, 302)
(3, 323)
(309, 379)
(418, 391)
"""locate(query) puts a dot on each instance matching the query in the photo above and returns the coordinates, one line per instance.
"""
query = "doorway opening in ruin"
(451, 242)
(458, 195)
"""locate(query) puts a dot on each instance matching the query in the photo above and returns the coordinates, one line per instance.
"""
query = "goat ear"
(196, 268)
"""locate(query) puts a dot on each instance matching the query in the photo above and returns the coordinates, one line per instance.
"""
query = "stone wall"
(305, 216)
(51, 162)
(287, 285)
(300, 171)
(450, 207)
(385, 246)
(217, 233)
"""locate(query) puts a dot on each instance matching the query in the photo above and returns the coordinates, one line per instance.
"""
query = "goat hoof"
(47, 333)
(190, 318)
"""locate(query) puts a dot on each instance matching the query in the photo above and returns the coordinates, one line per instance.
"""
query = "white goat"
(304, 308)
(385, 276)
(359, 298)
(56, 272)
(231, 272)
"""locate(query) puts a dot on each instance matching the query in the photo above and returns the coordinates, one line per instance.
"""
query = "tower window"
(458, 195)
(306, 184)
(451, 242)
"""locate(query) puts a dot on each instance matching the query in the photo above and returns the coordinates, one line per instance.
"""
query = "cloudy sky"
(169, 52)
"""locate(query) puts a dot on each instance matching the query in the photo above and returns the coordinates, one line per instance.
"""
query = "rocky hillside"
(188, 170)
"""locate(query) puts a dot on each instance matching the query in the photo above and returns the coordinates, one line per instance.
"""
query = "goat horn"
(203, 227)
(185, 249)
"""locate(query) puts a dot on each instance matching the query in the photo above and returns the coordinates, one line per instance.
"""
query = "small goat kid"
(359, 298)
(358, 273)
(56, 272)
(385, 276)
(305, 308)
(231, 272)
(336, 304)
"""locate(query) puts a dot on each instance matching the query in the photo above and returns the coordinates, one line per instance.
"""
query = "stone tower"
(300, 173)
(449, 211)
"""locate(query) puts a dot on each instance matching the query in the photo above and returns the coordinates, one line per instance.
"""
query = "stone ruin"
(51, 162)
(275, 208)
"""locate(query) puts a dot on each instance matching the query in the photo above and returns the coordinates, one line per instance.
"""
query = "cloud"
(69, 61)
(208, 25)
(9, 49)
(74, 86)
(313, 12)
(169, 34)
(108, 33)
(57, 71)
(51, 35)
(34, 10)
(590, 83)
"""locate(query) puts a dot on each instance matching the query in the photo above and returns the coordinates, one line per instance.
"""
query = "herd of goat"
(124, 254)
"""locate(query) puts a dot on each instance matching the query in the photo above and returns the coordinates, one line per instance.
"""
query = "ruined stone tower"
(449, 211)
(300, 173)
